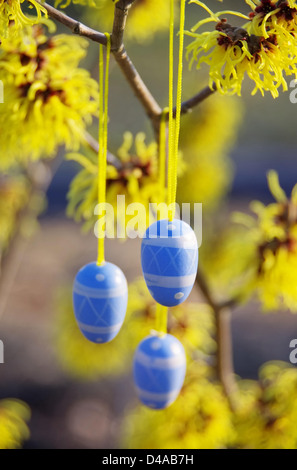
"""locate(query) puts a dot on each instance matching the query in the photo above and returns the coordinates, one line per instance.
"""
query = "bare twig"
(133, 77)
(75, 26)
(189, 104)
(140, 89)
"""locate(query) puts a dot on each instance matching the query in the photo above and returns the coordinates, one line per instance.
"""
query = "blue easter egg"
(100, 295)
(159, 370)
(169, 259)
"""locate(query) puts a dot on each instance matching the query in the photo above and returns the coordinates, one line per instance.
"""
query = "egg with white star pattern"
(100, 295)
(159, 370)
(169, 259)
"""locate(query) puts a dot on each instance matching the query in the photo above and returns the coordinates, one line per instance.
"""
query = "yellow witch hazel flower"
(274, 239)
(264, 48)
(13, 19)
(257, 255)
(146, 17)
(136, 179)
(13, 428)
(48, 100)
(267, 417)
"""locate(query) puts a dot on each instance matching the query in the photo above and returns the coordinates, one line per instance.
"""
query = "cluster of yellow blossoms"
(201, 418)
(136, 178)
(48, 99)
(275, 237)
(13, 18)
(13, 428)
(258, 254)
(268, 410)
(264, 417)
(264, 48)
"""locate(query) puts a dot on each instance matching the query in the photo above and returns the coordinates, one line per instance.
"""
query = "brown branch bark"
(130, 72)
(224, 365)
(140, 89)
(189, 104)
(75, 26)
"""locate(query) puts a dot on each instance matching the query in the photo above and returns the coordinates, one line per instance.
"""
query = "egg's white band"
(171, 282)
(95, 293)
(160, 362)
(188, 241)
(158, 397)
(99, 329)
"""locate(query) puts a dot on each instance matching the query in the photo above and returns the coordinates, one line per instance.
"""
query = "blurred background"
(71, 408)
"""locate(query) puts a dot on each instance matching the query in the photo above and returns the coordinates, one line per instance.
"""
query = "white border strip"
(171, 282)
(94, 293)
(187, 242)
(160, 363)
(158, 397)
(99, 329)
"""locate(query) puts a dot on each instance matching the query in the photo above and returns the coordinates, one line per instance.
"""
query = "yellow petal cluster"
(264, 48)
(13, 428)
(13, 18)
(136, 178)
(48, 99)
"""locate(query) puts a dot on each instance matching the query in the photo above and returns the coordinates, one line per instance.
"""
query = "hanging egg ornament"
(159, 370)
(169, 259)
(100, 295)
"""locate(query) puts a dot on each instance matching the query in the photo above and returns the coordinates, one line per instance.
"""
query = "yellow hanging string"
(174, 131)
(170, 113)
(173, 138)
(178, 98)
(161, 311)
(103, 132)
(161, 319)
(162, 154)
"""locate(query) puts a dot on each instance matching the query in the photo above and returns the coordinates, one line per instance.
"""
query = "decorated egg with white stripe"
(100, 295)
(159, 370)
(169, 259)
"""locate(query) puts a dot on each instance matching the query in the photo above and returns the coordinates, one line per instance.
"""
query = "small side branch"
(75, 26)
(191, 103)
(130, 72)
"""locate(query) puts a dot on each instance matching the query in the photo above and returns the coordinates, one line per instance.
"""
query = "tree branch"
(189, 104)
(75, 26)
(130, 72)
(225, 368)
(140, 89)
